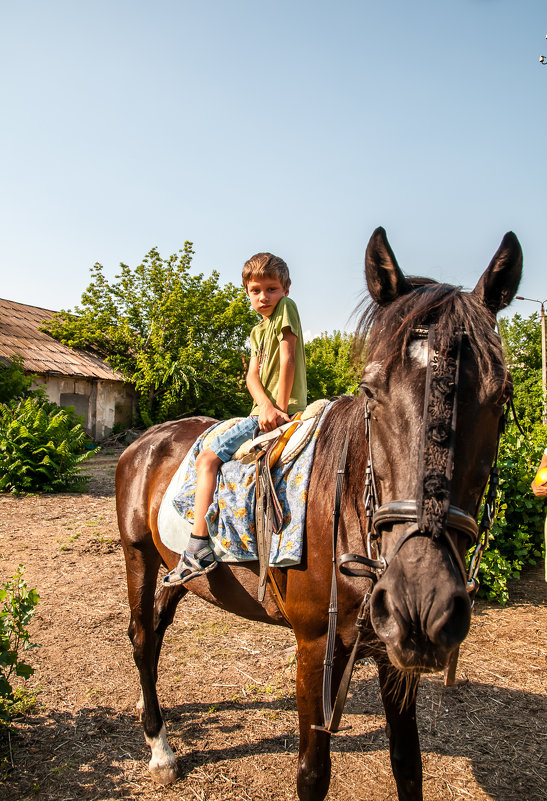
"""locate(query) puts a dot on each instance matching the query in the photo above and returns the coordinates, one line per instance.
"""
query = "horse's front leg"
(314, 762)
(399, 699)
(150, 617)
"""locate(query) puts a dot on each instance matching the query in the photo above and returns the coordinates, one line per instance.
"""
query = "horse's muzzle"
(420, 609)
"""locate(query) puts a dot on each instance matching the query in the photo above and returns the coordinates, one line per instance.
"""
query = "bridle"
(431, 513)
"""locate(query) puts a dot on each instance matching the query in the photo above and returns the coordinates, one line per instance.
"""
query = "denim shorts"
(225, 445)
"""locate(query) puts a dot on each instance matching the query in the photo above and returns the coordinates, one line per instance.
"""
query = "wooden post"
(450, 679)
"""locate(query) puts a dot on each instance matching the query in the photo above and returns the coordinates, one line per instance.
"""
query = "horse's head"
(436, 386)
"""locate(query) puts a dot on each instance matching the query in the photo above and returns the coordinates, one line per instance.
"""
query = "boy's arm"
(287, 348)
(269, 417)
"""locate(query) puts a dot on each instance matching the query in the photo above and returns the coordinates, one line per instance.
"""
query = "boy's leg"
(198, 558)
(207, 467)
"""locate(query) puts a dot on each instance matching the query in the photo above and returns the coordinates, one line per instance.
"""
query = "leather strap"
(333, 725)
(283, 439)
(333, 605)
(276, 590)
(268, 517)
(263, 547)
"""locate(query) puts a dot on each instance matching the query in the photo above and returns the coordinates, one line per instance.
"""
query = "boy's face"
(265, 294)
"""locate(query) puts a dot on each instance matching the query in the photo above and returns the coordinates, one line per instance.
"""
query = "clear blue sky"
(291, 126)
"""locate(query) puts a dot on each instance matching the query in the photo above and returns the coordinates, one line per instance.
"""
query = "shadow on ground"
(99, 753)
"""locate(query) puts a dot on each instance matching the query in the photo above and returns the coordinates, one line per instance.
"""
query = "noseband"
(431, 514)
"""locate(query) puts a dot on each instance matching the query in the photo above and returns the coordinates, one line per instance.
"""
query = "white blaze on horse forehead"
(372, 370)
(418, 352)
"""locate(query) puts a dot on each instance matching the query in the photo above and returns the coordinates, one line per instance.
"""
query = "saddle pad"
(231, 515)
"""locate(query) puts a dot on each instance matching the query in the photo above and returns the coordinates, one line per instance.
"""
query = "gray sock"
(195, 544)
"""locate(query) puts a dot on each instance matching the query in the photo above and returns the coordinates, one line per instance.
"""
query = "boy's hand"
(269, 417)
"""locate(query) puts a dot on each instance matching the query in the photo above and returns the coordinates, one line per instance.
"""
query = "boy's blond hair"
(266, 265)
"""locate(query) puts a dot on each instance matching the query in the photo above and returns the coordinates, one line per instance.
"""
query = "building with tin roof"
(69, 376)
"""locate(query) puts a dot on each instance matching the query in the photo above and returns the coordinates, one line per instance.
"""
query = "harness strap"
(268, 517)
(333, 605)
(278, 595)
(405, 511)
(515, 417)
(333, 725)
(436, 454)
(360, 572)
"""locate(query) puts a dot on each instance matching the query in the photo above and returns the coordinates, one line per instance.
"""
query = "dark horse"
(419, 610)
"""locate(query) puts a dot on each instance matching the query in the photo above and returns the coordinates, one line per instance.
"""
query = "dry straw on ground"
(227, 686)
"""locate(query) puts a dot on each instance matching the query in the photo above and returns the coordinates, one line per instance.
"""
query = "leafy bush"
(17, 604)
(13, 381)
(517, 533)
(41, 447)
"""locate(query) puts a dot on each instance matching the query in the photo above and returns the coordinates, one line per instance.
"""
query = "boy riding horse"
(276, 379)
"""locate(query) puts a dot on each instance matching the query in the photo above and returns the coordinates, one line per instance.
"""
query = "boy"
(276, 379)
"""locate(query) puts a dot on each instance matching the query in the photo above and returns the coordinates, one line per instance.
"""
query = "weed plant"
(41, 447)
(17, 604)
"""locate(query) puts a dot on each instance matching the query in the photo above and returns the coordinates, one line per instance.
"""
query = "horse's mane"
(384, 331)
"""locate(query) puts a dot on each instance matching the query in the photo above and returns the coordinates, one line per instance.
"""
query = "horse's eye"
(366, 390)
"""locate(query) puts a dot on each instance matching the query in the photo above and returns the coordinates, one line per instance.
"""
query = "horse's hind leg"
(150, 616)
(399, 699)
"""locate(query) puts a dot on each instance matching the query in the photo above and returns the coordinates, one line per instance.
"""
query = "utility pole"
(543, 352)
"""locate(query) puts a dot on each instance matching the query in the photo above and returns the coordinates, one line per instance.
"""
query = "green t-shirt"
(265, 339)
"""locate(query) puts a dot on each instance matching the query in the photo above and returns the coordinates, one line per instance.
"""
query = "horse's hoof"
(163, 765)
(166, 774)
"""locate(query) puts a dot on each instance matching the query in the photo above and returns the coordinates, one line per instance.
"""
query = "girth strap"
(278, 595)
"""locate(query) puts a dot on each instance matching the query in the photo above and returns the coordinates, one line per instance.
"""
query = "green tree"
(521, 338)
(330, 367)
(181, 339)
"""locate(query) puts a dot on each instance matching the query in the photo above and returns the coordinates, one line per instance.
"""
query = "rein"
(431, 514)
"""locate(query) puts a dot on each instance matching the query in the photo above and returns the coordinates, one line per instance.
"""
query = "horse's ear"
(385, 279)
(498, 284)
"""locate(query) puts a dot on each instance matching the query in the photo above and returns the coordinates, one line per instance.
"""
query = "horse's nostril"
(387, 621)
(451, 627)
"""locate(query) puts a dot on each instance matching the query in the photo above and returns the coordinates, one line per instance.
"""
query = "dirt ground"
(227, 686)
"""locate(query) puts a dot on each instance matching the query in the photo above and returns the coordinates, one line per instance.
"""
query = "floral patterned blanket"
(231, 515)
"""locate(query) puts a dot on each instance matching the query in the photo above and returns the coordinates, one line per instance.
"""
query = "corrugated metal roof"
(20, 336)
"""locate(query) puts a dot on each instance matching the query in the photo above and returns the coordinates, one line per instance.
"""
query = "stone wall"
(102, 404)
